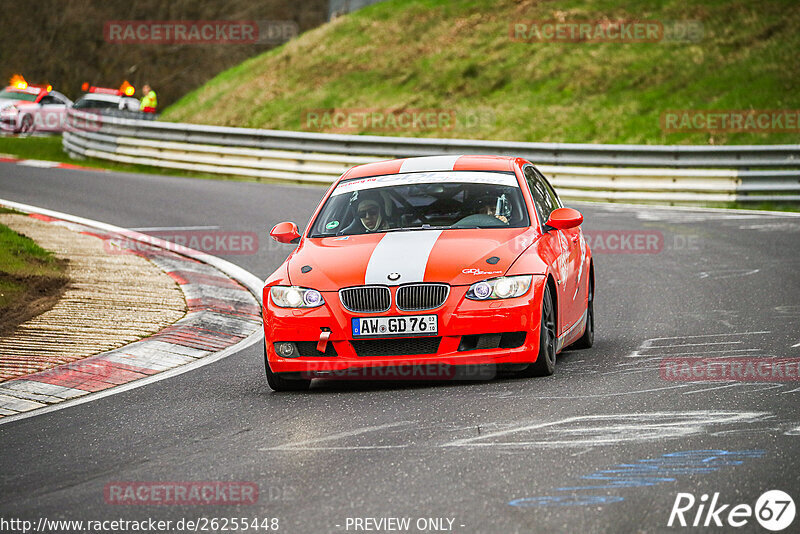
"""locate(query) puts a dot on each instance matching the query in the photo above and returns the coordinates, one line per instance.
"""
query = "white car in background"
(27, 108)
(106, 103)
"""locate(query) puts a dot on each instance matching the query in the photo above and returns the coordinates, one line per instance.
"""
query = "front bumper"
(9, 122)
(459, 322)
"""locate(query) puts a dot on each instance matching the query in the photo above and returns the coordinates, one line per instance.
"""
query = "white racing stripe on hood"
(429, 163)
(405, 253)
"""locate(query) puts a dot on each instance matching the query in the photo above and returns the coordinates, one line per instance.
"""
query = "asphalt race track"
(606, 444)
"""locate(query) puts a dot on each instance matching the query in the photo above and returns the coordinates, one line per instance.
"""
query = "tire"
(545, 364)
(26, 126)
(587, 339)
(282, 381)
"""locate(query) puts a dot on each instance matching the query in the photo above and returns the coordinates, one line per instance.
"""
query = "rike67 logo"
(774, 510)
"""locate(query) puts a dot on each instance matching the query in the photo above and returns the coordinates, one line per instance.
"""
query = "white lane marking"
(697, 344)
(159, 228)
(352, 448)
(249, 280)
(760, 386)
(772, 227)
(429, 163)
(793, 431)
(331, 437)
(615, 394)
(593, 430)
(651, 344)
(726, 273)
(405, 253)
(670, 354)
(796, 345)
(733, 385)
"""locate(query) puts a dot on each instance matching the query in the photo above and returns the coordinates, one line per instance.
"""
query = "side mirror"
(565, 218)
(285, 232)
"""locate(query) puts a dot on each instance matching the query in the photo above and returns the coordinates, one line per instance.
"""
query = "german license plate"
(414, 325)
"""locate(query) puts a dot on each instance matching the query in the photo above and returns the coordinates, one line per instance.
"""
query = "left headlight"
(504, 287)
(295, 297)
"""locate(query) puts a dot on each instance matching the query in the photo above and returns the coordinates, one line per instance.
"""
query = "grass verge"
(31, 278)
(460, 58)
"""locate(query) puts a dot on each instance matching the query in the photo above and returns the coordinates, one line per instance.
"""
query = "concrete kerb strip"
(214, 328)
(44, 164)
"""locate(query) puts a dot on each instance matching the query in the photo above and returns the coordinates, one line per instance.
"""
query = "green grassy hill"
(457, 56)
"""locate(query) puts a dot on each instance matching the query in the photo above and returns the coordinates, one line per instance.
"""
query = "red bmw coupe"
(448, 261)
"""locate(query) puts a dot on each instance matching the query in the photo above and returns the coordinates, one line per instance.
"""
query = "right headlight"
(295, 297)
(504, 287)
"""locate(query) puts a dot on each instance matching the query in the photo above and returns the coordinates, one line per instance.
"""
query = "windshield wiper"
(415, 228)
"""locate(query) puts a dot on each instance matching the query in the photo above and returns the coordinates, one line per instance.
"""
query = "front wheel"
(26, 126)
(281, 381)
(545, 364)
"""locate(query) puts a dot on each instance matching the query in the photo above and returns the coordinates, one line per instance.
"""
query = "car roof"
(101, 97)
(29, 90)
(56, 93)
(431, 164)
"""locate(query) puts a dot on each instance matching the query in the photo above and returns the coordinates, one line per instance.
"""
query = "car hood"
(7, 103)
(456, 257)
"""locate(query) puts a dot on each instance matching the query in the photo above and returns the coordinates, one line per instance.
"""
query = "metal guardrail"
(667, 174)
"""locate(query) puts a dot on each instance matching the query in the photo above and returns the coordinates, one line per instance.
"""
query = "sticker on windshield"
(331, 225)
(479, 177)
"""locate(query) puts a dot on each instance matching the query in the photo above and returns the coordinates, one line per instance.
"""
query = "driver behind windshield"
(370, 214)
(487, 205)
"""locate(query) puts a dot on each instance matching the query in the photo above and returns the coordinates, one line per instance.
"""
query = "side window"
(551, 192)
(543, 198)
(49, 100)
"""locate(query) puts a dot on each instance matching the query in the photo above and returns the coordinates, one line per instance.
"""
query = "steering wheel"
(479, 219)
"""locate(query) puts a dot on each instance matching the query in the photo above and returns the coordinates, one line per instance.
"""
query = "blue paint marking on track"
(642, 473)
(566, 500)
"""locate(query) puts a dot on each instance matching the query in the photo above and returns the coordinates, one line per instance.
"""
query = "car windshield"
(419, 201)
(16, 95)
(90, 103)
